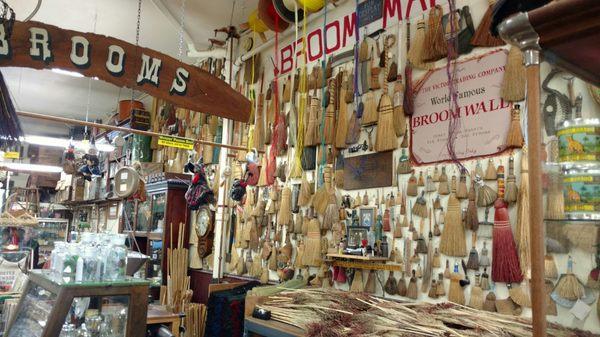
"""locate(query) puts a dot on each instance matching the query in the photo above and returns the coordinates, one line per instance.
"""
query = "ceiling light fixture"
(70, 73)
(64, 143)
(30, 167)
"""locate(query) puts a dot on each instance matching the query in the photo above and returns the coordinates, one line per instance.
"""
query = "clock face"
(203, 221)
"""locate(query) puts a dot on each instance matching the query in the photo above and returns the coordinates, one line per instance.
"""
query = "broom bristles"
(440, 286)
(416, 51)
(472, 220)
(453, 237)
(484, 258)
(341, 130)
(485, 194)
(519, 296)
(482, 36)
(550, 270)
(461, 191)
(402, 289)
(456, 293)
(412, 190)
(370, 284)
(391, 285)
(555, 205)
(514, 138)
(513, 83)
(473, 262)
(385, 138)
(569, 287)
(490, 302)
(476, 300)
(399, 119)
(490, 172)
(506, 267)
(413, 291)
(357, 282)
(312, 252)
(284, 216)
(433, 290)
(436, 46)
(436, 262)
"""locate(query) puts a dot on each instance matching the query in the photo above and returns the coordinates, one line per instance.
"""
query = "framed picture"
(366, 216)
(355, 235)
(113, 210)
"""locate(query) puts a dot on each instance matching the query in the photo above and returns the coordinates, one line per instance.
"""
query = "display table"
(158, 314)
(258, 327)
(47, 301)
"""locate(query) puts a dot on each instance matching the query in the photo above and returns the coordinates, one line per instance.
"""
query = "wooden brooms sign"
(37, 45)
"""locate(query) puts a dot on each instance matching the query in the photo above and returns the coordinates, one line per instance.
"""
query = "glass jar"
(69, 266)
(116, 259)
(57, 257)
(90, 264)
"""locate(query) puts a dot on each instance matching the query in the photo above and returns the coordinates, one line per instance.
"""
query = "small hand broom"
(514, 138)
(453, 237)
(513, 83)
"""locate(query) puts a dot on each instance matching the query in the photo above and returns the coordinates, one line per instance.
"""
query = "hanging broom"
(357, 282)
(370, 284)
(421, 244)
(490, 302)
(568, 286)
(485, 194)
(476, 299)
(518, 295)
(436, 227)
(328, 130)
(412, 190)
(370, 114)
(437, 203)
(403, 164)
(436, 262)
(485, 280)
(472, 220)
(453, 237)
(284, 216)
(443, 187)
(550, 270)
(436, 47)
(484, 258)
(416, 51)
(429, 184)
(512, 192)
(514, 138)
(312, 254)
(473, 262)
(482, 36)
(399, 118)
(420, 207)
(391, 285)
(311, 135)
(322, 195)
(506, 266)
(413, 290)
(433, 290)
(461, 190)
(402, 288)
(551, 309)
(491, 172)
(441, 291)
(385, 138)
(523, 226)
(513, 83)
(456, 293)
(305, 192)
(404, 143)
(421, 180)
(341, 129)
(555, 205)
(447, 273)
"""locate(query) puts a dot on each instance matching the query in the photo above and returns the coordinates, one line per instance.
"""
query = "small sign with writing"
(369, 11)
(179, 143)
(11, 155)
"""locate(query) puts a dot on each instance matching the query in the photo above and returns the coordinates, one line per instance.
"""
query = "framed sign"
(368, 171)
(483, 117)
(369, 11)
(366, 216)
(41, 46)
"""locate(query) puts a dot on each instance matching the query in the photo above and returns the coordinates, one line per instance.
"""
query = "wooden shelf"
(358, 257)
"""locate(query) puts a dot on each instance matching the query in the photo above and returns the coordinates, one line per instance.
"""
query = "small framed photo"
(355, 235)
(366, 216)
(113, 210)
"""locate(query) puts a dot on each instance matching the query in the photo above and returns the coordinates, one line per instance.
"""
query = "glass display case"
(51, 306)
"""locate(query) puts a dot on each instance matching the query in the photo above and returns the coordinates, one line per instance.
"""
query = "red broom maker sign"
(484, 118)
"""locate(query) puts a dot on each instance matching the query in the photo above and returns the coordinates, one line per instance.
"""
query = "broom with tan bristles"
(514, 138)
(473, 261)
(550, 270)
(420, 207)
(490, 302)
(441, 291)
(437, 203)
(403, 164)
(341, 129)
(385, 138)
(568, 286)
(513, 83)
(305, 192)
(555, 205)
(435, 46)
(399, 118)
(404, 143)
(443, 187)
(456, 293)
(490, 171)
(321, 199)
(518, 295)
(357, 282)
(284, 215)
(421, 244)
(436, 175)
(482, 36)
(485, 194)
(416, 51)
(328, 131)
(429, 184)
(412, 189)
(453, 237)
(433, 290)
(461, 190)
(312, 253)
(511, 193)
(472, 220)
(413, 290)
(476, 299)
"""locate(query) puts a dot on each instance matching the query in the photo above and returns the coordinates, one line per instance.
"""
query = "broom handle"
(536, 216)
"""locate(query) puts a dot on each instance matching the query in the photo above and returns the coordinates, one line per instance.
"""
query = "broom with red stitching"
(506, 267)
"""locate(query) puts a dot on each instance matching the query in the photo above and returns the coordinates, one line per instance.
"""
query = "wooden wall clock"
(204, 226)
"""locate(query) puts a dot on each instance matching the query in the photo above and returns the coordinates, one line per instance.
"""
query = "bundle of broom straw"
(512, 192)
(178, 283)
(399, 118)
(514, 138)
(436, 46)
(195, 319)
(416, 51)
(523, 226)
(385, 138)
